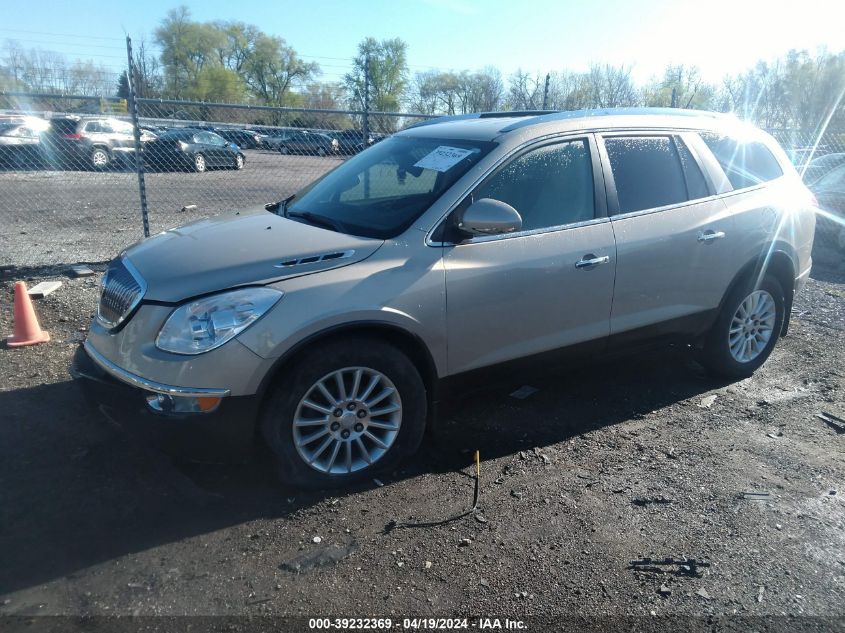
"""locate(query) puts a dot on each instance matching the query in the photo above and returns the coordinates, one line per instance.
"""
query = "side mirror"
(489, 217)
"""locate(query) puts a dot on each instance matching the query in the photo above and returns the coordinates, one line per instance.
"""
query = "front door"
(547, 286)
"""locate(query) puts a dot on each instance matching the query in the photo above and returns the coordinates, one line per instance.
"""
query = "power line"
(82, 44)
(86, 37)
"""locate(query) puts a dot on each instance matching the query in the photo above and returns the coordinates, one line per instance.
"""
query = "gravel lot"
(641, 457)
(62, 217)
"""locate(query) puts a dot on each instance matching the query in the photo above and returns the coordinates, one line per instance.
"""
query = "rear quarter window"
(745, 164)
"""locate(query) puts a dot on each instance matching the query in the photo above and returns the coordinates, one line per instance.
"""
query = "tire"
(239, 161)
(321, 151)
(200, 164)
(400, 432)
(284, 150)
(100, 158)
(731, 348)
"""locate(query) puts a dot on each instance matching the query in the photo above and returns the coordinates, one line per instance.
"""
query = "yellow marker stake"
(477, 464)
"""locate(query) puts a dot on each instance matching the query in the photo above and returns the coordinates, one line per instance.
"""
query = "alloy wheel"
(99, 158)
(752, 326)
(347, 420)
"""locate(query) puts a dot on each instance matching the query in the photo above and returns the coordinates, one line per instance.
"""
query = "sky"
(719, 36)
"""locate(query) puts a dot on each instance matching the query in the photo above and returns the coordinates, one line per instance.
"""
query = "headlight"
(202, 325)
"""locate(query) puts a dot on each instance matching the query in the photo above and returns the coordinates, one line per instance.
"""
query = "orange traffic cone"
(27, 331)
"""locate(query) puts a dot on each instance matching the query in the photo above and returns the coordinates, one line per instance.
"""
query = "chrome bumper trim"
(150, 385)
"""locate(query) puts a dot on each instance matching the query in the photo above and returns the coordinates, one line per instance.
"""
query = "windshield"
(382, 190)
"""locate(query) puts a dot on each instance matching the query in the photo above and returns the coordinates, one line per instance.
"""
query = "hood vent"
(313, 259)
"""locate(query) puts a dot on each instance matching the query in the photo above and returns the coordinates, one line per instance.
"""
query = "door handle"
(710, 235)
(588, 261)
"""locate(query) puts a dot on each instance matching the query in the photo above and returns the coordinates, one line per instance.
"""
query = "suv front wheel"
(746, 330)
(344, 411)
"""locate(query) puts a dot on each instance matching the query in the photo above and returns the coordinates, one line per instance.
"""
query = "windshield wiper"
(281, 204)
(318, 220)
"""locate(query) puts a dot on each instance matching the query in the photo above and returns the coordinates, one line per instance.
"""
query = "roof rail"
(532, 117)
(515, 113)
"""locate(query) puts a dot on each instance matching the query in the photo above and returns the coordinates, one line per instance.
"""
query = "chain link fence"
(69, 184)
(820, 159)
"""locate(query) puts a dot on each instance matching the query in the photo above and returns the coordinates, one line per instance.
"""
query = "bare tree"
(45, 71)
(611, 86)
(525, 92)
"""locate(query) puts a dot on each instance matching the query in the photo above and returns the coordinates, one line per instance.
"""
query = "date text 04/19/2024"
(431, 624)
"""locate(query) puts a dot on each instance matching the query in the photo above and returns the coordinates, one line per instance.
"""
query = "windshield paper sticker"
(443, 158)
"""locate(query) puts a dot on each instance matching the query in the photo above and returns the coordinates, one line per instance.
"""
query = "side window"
(93, 126)
(121, 127)
(549, 186)
(647, 172)
(696, 185)
(745, 164)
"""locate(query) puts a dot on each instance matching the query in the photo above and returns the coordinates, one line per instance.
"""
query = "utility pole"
(546, 92)
(675, 87)
(139, 155)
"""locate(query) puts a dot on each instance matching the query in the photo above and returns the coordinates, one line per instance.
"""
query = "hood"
(236, 249)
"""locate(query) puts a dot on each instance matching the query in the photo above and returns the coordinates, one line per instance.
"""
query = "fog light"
(161, 403)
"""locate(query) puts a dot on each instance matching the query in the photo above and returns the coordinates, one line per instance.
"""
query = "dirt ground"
(638, 457)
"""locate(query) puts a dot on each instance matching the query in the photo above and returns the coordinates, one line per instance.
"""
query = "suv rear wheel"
(344, 411)
(100, 158)
(746, 330)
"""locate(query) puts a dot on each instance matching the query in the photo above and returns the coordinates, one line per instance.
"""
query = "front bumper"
(149, 385)
(225, 434)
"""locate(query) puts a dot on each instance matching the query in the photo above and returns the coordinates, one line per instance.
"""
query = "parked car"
(302, 142)
(191, 149)
(245, 139)
(20, 147)
(85, 143)
(830, 195)
(349, 141)
(822, 165)
(152, 131)
(324, 322)
(801, 156)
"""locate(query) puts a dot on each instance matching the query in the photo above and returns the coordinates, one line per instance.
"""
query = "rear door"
(212, 148)
(674, 238)
(120, 133)
(549, 285)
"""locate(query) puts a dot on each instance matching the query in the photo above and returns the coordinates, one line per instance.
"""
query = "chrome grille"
(122, 290)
